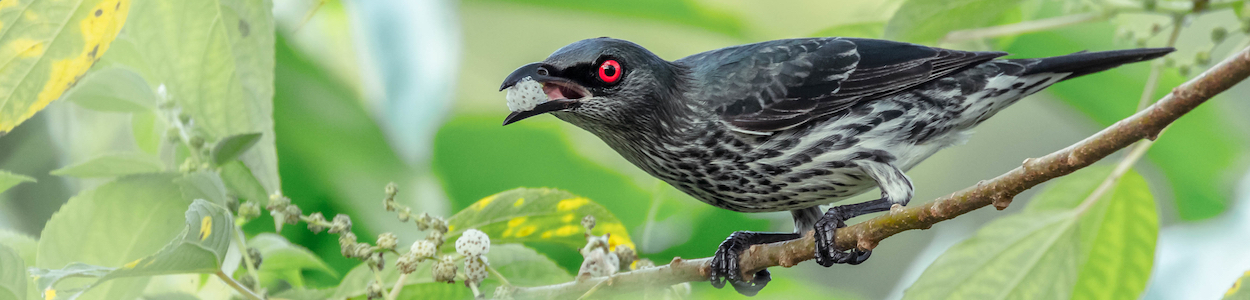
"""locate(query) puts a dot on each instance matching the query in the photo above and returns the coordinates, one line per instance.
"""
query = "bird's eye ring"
(542, 71)
(610, 71)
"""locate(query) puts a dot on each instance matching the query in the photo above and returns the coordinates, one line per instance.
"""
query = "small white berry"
(445, 269)
(475, 269)
(525, 95)
(473, 243)
(422, 249)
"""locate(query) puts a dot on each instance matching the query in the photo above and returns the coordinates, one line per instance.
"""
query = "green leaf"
(686, 12)
(143, 127)
(53, 45)
(115, 164)
(239, 180)
(283, 261)
(12, 274)
(231, 147)
(214, 59)
(114, 224)
(304, 294)
(537, 215)
(24, 245)
(203, 185)
(1057, 248)
(1198, 175)
(171, 296)
(8, 180)
(927, 21)
(1240, 289)
(522, 266)
(113, 89)
(200, 249)
(861, 30)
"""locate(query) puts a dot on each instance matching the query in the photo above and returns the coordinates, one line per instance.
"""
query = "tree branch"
(1146, 124)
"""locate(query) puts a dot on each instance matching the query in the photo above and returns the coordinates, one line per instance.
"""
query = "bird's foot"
(725, 267)
(826, 247)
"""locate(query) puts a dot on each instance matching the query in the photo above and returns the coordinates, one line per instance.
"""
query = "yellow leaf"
(45, 58)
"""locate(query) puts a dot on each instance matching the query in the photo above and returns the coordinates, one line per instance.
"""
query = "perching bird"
(786, 125)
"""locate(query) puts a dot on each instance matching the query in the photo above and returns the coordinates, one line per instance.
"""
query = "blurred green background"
(370, 92)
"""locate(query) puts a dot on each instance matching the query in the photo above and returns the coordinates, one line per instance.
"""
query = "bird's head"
(594, 80)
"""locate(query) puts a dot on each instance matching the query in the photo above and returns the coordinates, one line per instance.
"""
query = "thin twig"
(496, 272)
(998, 192)
(238, 287)
(247, 259)
(1022, 27)
(399, 285)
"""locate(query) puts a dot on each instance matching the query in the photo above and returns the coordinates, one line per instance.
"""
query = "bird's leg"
(895, 187)
(725, 263)
(826, 229)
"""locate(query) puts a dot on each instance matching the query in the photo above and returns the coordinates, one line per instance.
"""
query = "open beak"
(562, 94)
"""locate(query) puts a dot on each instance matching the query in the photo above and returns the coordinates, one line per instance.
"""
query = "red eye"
(610, 71)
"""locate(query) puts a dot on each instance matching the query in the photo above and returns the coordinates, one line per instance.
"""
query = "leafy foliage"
(12, 274)
(1061, 246)
(8, 180)
(115, 164)
(53, 46)
(927, 21)
(1240, 289)
(284, 261)
(537, 215)
(200, 248)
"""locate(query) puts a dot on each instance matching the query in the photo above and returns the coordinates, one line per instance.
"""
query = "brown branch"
(998, 192)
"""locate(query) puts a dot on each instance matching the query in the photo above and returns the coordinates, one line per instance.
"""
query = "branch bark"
(999, 192)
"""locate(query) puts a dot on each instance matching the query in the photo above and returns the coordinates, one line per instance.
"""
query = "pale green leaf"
(1057, 248)
(114, 164)
(304, 294)
(171, 296)
(46, 47)
(199, 249)
(114, 224)
(23, 244)
(148, 136)
(229, 148)
(927, 21)
(203, 185)
(113, 89)
(1240, 289)
(12, 274)
(537, 215)
(239, 180)
(215, 60)
(8, 180)
(522, 266)
(283, 261)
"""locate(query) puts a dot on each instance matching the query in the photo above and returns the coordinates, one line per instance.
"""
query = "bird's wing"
(777, 85)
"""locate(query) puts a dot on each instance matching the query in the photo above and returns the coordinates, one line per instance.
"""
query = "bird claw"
(724, 267)
(826, 246)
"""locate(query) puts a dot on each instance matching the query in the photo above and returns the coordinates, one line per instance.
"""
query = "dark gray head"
(600, 82)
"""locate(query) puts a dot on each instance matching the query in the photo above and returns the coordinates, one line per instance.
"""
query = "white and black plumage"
(787, 125)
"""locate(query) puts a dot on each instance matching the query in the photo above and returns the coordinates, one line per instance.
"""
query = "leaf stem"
(238, 287)
(496, 273)
(247, 259)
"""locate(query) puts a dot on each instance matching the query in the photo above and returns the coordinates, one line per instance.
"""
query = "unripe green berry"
(1218, 34)
(254, 255)
(407, 263)
(1202, 57)
(374, 290)
(249, 210)
(422, 250)
(475, 269)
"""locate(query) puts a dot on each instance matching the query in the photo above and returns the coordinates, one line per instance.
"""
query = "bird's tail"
(1082, 63)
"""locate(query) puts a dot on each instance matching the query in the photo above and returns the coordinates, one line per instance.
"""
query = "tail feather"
(1083, 63)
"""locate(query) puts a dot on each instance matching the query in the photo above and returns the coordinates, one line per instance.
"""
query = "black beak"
(545, 107)
(538, 72)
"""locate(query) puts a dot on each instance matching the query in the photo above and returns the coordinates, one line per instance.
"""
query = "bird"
(787, 125)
